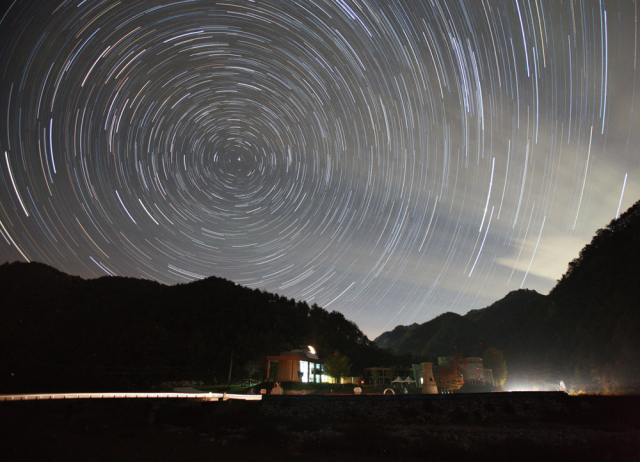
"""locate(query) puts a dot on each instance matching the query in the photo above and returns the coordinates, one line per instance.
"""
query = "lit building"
(475, 374)
(301, 365)
(472, 370)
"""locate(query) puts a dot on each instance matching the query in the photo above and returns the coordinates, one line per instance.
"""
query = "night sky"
(388, 159)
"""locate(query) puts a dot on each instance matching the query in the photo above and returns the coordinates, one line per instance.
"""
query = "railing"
(200, 396)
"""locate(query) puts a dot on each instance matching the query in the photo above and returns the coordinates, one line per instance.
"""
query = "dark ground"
(605, 429)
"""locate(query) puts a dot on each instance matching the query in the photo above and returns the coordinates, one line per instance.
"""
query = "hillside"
(61, 332)
(387, 339)
(584, 332)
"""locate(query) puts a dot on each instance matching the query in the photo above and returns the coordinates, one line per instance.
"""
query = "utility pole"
(230, 366)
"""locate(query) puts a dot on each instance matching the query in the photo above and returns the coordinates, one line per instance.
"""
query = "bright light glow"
(312, 350)
(519, 387)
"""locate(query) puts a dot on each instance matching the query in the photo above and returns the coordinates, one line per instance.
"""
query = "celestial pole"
(388, 159)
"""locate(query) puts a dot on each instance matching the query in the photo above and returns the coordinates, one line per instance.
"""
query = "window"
(304, 368)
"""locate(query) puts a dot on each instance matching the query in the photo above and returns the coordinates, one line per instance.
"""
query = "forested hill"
(60, 332)
(584, 332)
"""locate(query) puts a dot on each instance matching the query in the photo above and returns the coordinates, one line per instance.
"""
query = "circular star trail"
(388, 159)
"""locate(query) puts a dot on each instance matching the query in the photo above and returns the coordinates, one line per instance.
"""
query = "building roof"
(299, 353)
(302, 352)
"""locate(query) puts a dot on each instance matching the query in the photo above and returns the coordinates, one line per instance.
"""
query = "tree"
(251, 367)
(374, 376)
(494, 359)
(450, 375)
(337, 366)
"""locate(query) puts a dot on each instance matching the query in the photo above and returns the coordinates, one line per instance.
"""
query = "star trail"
(388, 159)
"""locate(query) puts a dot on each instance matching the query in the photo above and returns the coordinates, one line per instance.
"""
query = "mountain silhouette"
(584, 332)
(61, 332)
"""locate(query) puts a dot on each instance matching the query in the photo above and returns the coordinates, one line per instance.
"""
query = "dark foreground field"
(455, 428)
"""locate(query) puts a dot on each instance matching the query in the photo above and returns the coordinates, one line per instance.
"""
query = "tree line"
(61, 332)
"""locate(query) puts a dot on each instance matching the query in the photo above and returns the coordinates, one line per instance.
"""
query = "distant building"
(427, 375)
(384, 375)
(428, 380)
(418, 373)
(488, 377)
(473, 372)
(301, 365)
(356, 379)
